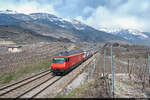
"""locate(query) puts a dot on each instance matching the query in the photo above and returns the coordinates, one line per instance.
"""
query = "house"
(15, 49)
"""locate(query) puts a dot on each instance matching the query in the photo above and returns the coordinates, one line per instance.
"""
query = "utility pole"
(149, 66)
(112, 70)
(88, 72)
(104, 62)
(93, 68)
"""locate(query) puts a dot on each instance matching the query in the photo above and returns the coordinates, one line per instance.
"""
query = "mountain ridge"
(133, 35)
(49, 25)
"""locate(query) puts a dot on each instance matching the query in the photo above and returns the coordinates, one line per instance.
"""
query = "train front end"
(59, 64)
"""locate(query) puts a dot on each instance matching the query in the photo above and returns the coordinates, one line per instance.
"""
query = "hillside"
(47, 27)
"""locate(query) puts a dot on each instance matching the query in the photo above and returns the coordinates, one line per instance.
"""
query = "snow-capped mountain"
(48, 25)
(77, 24)
(62, 22)
(8, 12)
(132, 35)
(36, 16)
(110, 30)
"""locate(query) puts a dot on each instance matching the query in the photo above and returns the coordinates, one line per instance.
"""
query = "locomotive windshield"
(60, 60)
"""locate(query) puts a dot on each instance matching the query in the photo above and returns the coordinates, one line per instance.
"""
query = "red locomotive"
(66, 61)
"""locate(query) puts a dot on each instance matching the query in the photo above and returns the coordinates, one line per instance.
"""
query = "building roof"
(15, 47)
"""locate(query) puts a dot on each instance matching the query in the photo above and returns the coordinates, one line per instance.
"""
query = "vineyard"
(131, 74)
(132, 63)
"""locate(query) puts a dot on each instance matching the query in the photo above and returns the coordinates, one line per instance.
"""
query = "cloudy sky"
(97, 13)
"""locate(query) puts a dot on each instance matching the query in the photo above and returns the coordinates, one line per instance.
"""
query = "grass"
(21, 71)
(6, 77)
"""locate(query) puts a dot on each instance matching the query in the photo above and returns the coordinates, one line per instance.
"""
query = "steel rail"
(23, 84)
(35, 87)
(23, 80)
(46, 87)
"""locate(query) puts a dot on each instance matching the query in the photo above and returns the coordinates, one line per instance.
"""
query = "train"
(64, 62)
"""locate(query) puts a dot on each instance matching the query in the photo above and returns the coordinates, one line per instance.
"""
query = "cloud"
(87, 10)
(28, 6)
(131, 14)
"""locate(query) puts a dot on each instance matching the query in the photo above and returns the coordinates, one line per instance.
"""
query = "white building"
(15, 49)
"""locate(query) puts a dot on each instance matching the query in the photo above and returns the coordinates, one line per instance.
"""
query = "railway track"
(32, 86)
(9, 90)
(34, 91)
(25, 79)
(29, 87)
